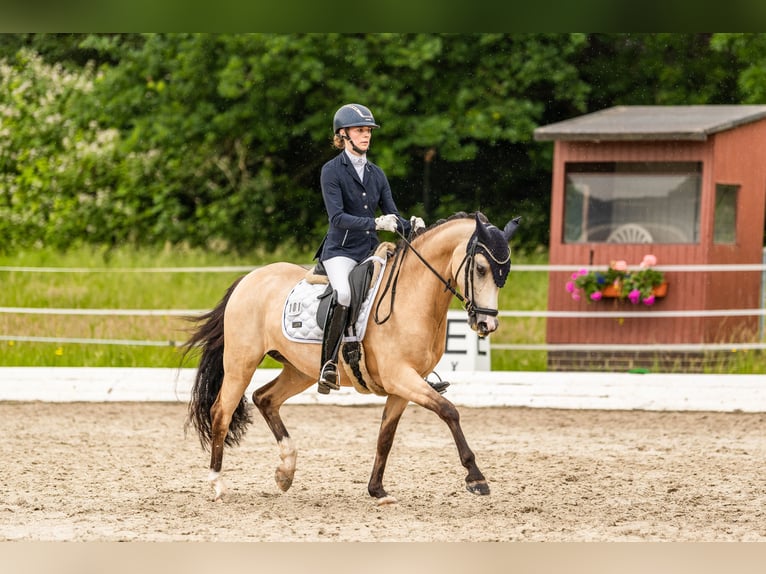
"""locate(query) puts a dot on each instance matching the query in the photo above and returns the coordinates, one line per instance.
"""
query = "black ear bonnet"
(492, 242)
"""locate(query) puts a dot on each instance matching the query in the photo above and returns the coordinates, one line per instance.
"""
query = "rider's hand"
(386, 222)
(417, 223)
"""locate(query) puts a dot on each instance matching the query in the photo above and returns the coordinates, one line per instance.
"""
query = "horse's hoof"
(477, 487)
(218, 485)
(387, 500)
(219, 491)
(284, 482)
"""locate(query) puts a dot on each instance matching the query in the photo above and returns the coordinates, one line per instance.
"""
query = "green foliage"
(642, 282)
(748, 53)
(217, 140)
(657, 69)
(57, 170)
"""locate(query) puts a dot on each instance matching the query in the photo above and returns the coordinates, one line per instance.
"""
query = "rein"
(467, 302)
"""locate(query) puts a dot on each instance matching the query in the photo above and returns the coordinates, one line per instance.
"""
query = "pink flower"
(576, 295)
(595, 296)
(620, 265)
(649, 300)
(634, 296)
(578, 274)
(570, 286)
(649, 260)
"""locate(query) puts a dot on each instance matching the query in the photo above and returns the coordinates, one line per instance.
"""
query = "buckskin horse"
(463, 256)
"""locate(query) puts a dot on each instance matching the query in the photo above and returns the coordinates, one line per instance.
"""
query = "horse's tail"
(208, 335)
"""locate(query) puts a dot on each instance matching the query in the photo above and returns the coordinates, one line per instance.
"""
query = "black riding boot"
(333, 334)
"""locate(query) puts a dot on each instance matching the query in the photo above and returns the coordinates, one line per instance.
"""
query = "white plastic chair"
(630, 233)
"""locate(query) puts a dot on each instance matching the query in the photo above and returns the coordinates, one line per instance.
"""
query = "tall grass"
(114, 283)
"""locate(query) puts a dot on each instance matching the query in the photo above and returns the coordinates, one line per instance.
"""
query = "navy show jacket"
(351, 208)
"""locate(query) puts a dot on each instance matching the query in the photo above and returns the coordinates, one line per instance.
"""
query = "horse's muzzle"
(483, 325)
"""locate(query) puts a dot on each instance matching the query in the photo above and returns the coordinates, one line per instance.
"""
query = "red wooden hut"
(684, 183)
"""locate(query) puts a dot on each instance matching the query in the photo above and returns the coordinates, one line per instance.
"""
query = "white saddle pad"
(299, 321)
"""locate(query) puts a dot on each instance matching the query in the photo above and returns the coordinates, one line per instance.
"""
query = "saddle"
(309, 303)
(360, 281)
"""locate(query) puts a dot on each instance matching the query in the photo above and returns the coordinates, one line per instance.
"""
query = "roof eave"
(603, 137)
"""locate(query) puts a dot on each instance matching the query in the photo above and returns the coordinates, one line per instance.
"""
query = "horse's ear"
(510, 228)
(481, 227)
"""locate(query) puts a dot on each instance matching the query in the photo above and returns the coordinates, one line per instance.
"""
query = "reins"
(393, 279)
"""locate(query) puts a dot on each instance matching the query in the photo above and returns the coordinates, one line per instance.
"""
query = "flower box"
(643, 285)
(615, 292)
(611, 292)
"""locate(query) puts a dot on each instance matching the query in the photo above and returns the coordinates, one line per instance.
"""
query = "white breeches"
(338, 269)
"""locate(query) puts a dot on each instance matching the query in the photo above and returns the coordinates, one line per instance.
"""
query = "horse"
(463, 256)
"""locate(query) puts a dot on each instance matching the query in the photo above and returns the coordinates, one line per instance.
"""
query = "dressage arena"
(118, 470)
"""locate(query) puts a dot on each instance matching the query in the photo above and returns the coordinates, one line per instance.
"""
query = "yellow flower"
(59, 351)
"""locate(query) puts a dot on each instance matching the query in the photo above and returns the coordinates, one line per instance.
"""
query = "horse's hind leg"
(392, 413)
(269, 398)
(221, 414)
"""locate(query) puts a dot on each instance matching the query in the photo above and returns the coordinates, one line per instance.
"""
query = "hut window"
(632, 202)
(725, 225)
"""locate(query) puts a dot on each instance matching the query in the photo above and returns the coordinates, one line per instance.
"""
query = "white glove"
(417, 223)
(386, 222)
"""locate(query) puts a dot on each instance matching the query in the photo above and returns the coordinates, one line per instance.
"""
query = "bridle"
(470, 257)
(469, 261)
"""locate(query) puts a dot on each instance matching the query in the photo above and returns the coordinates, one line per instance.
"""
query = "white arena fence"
(760, 312)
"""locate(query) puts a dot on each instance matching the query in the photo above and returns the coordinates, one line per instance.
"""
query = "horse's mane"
(437, 223)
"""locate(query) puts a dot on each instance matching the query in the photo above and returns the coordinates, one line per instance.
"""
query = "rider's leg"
(338, 269)
(333, 333)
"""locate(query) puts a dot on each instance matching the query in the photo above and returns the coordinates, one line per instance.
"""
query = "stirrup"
(328, 378)
(439, 386)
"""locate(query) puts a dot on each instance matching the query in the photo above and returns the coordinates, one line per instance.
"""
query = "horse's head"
(486, 265)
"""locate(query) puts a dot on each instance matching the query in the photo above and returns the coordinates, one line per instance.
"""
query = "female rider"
(352, 189)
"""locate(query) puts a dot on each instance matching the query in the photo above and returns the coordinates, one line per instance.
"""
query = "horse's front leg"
(419, 392)
(392, 413)
(474, 480)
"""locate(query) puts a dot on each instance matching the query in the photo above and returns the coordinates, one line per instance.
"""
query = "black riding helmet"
(353, 115)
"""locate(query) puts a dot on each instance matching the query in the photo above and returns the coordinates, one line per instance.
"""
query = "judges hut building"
(686, 184)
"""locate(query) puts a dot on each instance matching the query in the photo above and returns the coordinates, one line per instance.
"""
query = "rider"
(352, 189)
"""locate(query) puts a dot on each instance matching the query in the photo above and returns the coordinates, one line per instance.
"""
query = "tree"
(657, 69)
(244, 122)
(218, 139)
(747, 54)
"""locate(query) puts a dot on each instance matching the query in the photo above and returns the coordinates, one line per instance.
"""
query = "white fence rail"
(761, 312)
